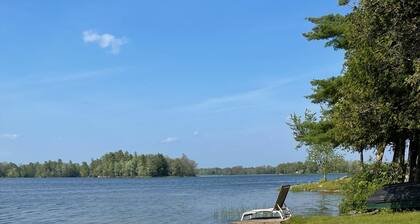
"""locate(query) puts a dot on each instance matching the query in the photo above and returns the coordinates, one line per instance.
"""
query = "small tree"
(325, 156)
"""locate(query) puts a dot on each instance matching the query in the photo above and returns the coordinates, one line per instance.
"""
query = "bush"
(365, 182)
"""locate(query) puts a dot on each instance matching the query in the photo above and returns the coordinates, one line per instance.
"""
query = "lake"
(206, 199)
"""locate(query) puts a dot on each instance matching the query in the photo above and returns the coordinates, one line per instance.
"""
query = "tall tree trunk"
(397, 151)
(415, 146)
(403, 144)
(361, 157)
(417, 174)
(402, 152)
(412, 158)
(380, 152)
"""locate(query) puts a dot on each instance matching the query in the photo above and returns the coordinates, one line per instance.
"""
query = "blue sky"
(215, 80)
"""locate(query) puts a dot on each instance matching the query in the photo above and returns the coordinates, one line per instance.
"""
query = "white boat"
(279, 211)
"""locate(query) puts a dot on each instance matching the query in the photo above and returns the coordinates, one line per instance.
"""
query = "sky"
(214, 79)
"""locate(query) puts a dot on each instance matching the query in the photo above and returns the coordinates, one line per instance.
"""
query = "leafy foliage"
(182, 166)
(375, 102)
(365, 182)
(310, 130)
(324, 156)
(330, 27)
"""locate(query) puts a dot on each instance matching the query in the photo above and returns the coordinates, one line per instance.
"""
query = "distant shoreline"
(134, 165)
(150, 177)
(269, 174)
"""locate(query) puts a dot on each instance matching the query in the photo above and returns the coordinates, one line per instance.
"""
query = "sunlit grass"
(322, 186)
(383, 218)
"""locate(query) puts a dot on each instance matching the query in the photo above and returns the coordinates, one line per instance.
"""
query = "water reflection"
(314, 203)
(323, 203)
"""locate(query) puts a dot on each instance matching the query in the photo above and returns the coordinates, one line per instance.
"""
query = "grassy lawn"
(322, 186)
(384, 218)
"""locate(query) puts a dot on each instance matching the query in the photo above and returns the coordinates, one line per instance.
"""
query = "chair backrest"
(281, 197)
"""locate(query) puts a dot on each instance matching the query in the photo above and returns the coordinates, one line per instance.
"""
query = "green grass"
(383, 218)
(330, 186)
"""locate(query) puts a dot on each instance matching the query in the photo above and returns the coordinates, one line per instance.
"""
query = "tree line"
(113, 164)
(125, 164)
(307, 167)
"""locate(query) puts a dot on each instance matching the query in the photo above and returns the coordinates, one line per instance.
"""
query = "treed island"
(113, 164)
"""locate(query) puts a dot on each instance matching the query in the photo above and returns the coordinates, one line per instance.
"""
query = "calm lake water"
(197, 200)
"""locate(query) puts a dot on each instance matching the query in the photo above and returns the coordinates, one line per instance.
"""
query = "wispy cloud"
(105, 40)
(196, 133)
(9, 136)
(264, 96)
(27, 85)
(58, 77)
(76, 76)
(169, 140)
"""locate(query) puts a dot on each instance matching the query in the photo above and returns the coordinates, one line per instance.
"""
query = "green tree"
(325, 157)
(375, 102)
(143, 166)
(159, 166)
(84, 170)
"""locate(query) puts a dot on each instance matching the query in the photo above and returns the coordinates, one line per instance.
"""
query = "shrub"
(365, 182)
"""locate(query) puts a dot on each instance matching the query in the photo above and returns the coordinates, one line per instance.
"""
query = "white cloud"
(104, 40)
(169, 140)
(9, 136)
